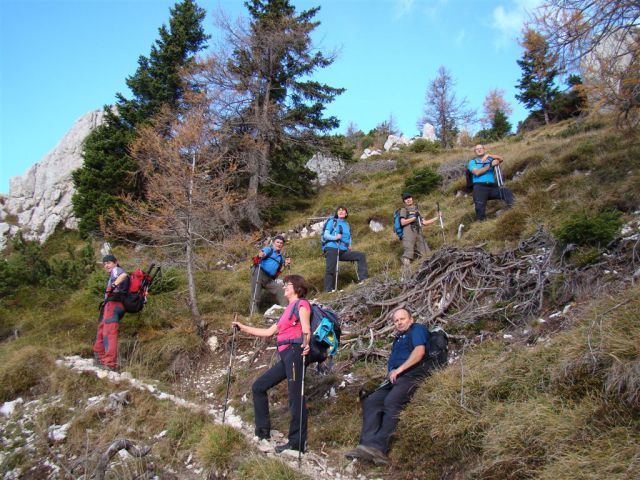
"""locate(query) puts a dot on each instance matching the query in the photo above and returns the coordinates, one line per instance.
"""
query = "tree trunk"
(193, 301)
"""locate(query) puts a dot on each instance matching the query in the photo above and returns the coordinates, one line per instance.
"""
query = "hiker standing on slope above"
(485, 181)
(406, 367)
(267, 265)
(293, 336)
(112, 310)
(336, 246)
(412, 223)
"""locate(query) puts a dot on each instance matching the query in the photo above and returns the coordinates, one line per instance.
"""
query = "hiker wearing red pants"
(106, 346)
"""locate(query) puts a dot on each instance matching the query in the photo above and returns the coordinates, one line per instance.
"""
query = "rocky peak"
(40, 200)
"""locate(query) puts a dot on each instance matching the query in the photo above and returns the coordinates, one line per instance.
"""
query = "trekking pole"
(300, 443)
(233, 343)
(337, 265)
(444, 240)
(255, 290)
(499, 181)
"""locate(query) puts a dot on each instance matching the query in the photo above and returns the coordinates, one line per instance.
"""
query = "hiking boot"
(287, 446)
(359, 453)
(377, 456)
(263, 433)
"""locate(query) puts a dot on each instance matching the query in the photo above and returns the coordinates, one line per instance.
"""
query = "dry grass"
(221, 447)
(574, 400)
(530, 411)
(25, 371)
(259, 468)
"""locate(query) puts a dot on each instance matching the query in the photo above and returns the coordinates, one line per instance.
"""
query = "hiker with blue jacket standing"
(293, 333)
(406, 368)
(412, 222)
(486, 181)
(105, 348)
(267, 265)
(336, 246)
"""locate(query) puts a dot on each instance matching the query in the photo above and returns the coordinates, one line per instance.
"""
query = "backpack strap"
(295, 310)
(270, 255)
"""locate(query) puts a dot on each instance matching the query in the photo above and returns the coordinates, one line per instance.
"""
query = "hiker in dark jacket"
(381, 408)
(293, 331)
(485, 181)
(336, 239)
(268, 264)
(105, 347)
(412, 222)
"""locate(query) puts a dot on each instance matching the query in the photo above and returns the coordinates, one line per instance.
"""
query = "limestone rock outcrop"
(40, 200)
(429, 132)
(327, 168)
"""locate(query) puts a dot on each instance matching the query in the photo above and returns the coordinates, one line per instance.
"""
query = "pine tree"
(539, 70)
(500, 126)
(109, 172)
(276, 102)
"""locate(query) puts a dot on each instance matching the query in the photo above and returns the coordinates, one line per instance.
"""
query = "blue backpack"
(325, 332)
(397, 226)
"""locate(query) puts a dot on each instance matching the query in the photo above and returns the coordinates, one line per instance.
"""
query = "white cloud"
(509, 19)
(403, 7)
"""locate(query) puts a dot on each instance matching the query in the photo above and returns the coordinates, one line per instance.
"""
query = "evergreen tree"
(539, 70)
(500, 126)
(109, 172)
(276, 103)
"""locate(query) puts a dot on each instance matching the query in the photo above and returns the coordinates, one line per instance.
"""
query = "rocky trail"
(208, 378)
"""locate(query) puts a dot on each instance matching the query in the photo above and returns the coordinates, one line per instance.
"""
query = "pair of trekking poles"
(226, 395)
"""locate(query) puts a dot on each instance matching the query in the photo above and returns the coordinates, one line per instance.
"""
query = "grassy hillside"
(547, 403)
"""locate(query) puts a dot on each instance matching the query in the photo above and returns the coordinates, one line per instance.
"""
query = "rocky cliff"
(40, 200)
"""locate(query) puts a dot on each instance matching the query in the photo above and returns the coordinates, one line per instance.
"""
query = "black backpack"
(469, 180)
(438, 347)
(437, 353)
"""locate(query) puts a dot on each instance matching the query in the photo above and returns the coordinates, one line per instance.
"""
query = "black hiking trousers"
(288, 367)
(482, 193)
(381, 409)
(331, 255)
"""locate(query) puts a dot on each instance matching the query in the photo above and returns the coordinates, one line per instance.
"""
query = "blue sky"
(60, 59)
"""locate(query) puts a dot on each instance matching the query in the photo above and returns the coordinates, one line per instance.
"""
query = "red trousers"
(106, 345)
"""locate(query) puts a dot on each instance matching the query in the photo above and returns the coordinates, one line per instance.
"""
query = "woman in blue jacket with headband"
(336, 246)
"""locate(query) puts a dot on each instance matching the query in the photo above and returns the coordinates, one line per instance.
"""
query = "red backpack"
(139, 284)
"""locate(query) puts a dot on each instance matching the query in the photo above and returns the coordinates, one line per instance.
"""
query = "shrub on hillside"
(423, 181)
(510, 225)
(27, 264)
(220, 446)
(260, 468)
(590, 230)
(422, 145)
(27, 368)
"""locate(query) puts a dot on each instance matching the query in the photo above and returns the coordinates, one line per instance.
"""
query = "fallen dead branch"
(121, 444)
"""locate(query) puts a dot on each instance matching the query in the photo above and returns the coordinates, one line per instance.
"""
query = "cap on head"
(109, 258)
(406, 195)
(279, 237)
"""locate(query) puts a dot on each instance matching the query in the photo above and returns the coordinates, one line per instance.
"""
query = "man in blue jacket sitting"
(487, 183)
(407, 366)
